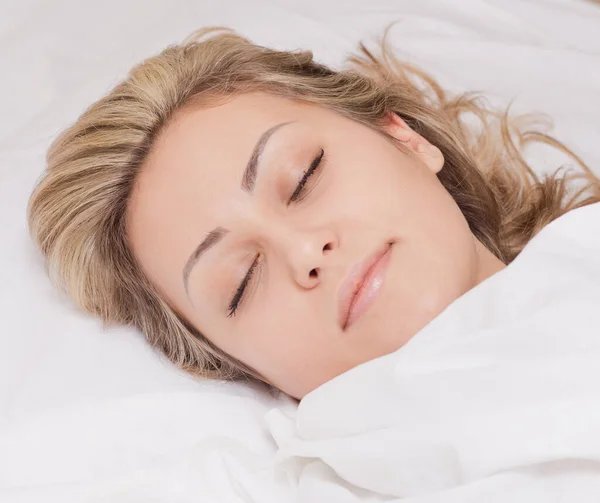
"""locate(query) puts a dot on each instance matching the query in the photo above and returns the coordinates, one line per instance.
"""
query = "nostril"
(314, 273)
(327, 247)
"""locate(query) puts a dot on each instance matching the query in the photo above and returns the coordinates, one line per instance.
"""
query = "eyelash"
(235, 302)
(296, 196)
(317, 161)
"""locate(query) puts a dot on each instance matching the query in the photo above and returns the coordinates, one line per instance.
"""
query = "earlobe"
(431, 156)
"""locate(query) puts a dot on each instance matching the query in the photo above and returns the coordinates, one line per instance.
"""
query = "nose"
(307, 253)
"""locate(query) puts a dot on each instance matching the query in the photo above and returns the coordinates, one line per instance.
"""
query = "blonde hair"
(77, 211)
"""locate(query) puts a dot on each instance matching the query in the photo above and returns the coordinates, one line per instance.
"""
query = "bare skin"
(300, 238)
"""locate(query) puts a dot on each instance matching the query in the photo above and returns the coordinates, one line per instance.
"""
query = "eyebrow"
(249, 178)
(248, 183)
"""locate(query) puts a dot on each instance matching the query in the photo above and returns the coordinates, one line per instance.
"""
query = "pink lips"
(360, 287)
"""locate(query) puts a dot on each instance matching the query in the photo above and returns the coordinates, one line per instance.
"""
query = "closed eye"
(299, 192)
(239, 294)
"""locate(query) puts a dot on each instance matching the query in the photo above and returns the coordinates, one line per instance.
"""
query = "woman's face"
(299, 241)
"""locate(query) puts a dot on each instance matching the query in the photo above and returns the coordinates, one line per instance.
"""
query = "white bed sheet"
(56, 364)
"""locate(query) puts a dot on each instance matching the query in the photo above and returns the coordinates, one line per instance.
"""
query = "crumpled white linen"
(208, 445)
(496, 399)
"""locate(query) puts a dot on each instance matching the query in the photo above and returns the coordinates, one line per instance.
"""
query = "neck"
(488, 265)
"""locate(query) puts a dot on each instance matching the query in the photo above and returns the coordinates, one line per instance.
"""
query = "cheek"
(284, 333)
(379, 187)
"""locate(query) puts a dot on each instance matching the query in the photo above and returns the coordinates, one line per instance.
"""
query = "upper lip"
(352, 282)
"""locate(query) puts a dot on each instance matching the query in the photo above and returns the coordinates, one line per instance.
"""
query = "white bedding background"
(85, 409)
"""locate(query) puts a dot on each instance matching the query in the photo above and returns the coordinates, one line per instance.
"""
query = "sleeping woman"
(258, 215)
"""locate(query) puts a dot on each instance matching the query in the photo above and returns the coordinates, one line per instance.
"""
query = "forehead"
(216, 141)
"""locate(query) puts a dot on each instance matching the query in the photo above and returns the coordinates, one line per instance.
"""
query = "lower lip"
(369, 289)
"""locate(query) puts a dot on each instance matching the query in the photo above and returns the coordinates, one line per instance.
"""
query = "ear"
(429, 154)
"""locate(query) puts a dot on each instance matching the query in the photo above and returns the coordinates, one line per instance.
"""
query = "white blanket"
(497, 399)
